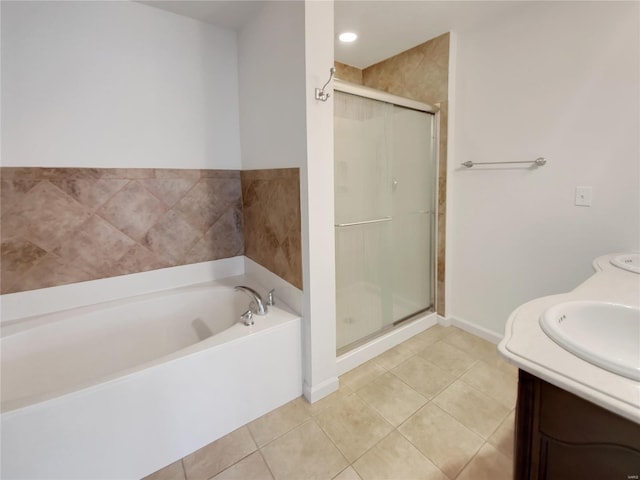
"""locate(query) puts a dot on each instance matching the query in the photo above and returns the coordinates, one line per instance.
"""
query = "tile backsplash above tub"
(271, 206)
(67, 225)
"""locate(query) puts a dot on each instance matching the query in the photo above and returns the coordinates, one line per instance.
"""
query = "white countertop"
(526, 346)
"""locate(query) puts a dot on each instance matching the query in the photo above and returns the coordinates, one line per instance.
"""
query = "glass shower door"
(362, 215)
(384, 195)
(413, 212)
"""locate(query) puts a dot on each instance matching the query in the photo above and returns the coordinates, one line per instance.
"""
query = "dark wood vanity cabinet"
(560, 436)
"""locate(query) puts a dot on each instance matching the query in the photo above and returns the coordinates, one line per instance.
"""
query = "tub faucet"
(256, 299)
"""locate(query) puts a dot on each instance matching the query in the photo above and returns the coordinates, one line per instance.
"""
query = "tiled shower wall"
(67, 225)
(420, 73)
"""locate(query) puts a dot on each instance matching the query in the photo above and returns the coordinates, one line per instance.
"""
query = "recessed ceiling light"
(347, 37)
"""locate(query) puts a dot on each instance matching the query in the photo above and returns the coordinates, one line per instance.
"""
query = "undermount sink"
(627, 261)
(604, 334)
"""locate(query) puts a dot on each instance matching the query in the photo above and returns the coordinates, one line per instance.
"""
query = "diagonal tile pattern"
(219, 455)
(67, 225)
(305, 452)
(271, 206)
(133, 210)
(450, 444)
(396, 457)
(353, 426)
(377, 426)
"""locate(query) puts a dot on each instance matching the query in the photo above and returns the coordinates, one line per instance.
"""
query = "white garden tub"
(123, 388)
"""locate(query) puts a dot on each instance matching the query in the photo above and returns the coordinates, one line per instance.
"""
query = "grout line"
(184, 469)
(266, 463)
(232, 465)
(108, 199)
(370, 448)
(312, 417)
(456, 420)
(251, 433)
(309, 416)
(342, 471)
(470, 460)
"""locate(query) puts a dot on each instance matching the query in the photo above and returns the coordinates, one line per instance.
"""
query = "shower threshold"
(380, 343)
(384, 331)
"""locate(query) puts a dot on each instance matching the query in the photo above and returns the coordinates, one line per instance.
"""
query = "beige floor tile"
(360, 376)
(347, 474)
(441, 438)
(316, 407)
(217, 456)
(438, 331)
(448, 357)
(493, 359)
(278, 422)
(419, 342)
(424, 377)
(499, 385)
(170, 472)
(488, 464)
(394, 356)
(472, 345)
(503, 439)
(252, 467)
(472, 408)
(395, 458)
(353, 426)
(304, 453)
(392, 398)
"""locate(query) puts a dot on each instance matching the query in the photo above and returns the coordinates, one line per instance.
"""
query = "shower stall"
(385, 196)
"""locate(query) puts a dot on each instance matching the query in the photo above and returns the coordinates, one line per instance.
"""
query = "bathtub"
(125, 387)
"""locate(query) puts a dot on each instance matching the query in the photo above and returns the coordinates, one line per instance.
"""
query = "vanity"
(578, 354)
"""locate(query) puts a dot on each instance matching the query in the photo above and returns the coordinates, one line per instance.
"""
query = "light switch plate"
(584, 196)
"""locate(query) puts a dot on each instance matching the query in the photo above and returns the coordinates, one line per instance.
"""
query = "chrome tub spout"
(257, 304)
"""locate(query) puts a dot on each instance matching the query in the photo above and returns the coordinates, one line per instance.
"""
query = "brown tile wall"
(271, 205)
(348, 73)
(67, 225)
(422, 74)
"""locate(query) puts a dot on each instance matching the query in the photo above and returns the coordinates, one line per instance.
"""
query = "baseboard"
(366, 352)
(474, 329)
(317, 392)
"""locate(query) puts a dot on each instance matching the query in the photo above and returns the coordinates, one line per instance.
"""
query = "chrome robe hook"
(320, 93)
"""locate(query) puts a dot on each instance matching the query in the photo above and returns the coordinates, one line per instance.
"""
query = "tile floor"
(438, 406)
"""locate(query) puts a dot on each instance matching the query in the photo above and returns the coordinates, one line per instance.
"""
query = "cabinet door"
(560, 436)
(563, 461)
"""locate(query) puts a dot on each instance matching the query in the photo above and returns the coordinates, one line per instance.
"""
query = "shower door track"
(413, 315)
(362, 91)
(382, 331)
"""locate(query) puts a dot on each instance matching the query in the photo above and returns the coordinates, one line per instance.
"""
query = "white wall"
(116, 84)
(316, 190)
(558, 80)
(272, 81)
(284, 52)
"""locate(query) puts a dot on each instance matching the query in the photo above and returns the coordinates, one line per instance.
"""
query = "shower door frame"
(373, 94)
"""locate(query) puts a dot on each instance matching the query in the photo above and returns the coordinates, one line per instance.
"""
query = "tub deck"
(121, 389)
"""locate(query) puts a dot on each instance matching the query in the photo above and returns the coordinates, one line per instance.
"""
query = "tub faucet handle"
(270, 297)
(247, 318)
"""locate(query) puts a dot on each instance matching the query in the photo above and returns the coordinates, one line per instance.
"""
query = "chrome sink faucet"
(257, 305)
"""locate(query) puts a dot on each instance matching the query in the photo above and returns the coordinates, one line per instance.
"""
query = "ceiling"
(385, 27)
(222, 13)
